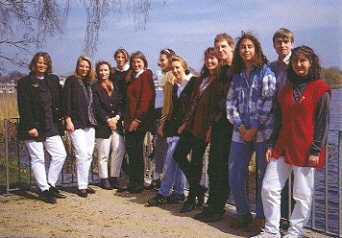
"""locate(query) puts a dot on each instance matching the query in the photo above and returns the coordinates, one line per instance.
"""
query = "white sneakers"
(264, 234)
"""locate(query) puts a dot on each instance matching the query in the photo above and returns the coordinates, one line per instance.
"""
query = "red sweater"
(298, 125)
(140, 99)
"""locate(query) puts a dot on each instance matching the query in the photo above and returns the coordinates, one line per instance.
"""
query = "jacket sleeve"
(233, 114)
(167, 102)
(25, 105)
(145, 98)
(67, 96)
(100, 113)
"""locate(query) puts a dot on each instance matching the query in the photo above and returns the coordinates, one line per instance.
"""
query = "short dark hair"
(259, 59)
(47, 59)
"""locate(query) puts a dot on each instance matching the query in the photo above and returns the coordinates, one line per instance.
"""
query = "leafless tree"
(26, 24)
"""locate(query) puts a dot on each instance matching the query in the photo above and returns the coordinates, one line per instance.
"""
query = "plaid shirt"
(249, 102)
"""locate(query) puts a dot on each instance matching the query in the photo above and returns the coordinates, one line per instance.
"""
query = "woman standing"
(138, 114)
(195, 130)
(249, 103)
(80, 120)
(121, 58)
(299, 140)
(178, 103)
(164, 78)
(110, 145)
(39, 103)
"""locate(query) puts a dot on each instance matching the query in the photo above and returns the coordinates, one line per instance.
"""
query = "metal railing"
(326, 214)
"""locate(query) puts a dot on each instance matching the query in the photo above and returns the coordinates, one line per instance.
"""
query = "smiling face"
(120, 60)
(103, 72)
(211, 62)
(225, 51)
(41, 66)
(247, 51)
(163, 62)
(83, 68)
(283, 46)
(301, 65)
(178, 70)
(137, 65)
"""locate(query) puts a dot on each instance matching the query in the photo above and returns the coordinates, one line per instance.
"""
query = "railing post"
(340, 183)
(5, 133)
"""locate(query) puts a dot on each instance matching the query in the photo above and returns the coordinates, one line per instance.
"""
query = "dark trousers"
(218, 165)
(193, 168)
(134, 146)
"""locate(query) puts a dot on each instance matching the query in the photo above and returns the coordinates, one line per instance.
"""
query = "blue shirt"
(249, 102)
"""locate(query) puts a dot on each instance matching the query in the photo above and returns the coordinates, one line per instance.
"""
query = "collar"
(125, 68)
(139, 73)
(286, 60)
(186, 79)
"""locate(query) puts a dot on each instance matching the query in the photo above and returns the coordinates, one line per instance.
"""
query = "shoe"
(258, 225)
(157, 200)
(199, 216)
(47, 197)
(155, 185)
(91, 190)
(136, 189)
(122, 189)
(200, 195)
(105, 184)
(211, 216)
(188, 206)
(175, 198)
(264, 234)
(82, 193)
(54, 191)
(242, 221)
(114, 182)
(284, 224)
(288, 235)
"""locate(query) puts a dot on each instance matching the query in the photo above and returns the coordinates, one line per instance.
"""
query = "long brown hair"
(259, 58)
(107, 85)
(211, 51)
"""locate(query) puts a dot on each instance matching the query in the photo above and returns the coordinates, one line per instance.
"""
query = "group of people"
(239, 103)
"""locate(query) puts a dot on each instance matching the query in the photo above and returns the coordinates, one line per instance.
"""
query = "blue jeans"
(173, 175)
(240, 155)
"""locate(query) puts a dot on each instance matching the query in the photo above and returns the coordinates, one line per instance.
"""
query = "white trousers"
(55, 147)
(83, 141)
(277, 172)
(113, 149)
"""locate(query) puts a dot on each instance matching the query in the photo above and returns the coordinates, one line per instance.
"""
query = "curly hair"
(315, 68)
(259, 58)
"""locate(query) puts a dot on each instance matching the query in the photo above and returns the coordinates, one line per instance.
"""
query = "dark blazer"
(105, 107)
(75, 103)
(180, 106)
(140, 99)
(31, 110)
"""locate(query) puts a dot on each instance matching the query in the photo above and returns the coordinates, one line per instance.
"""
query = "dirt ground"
(105, 214)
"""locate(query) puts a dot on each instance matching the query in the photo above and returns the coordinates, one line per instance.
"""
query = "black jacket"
(31, 107)
(75, 103)
(106, 107)
(180, 106)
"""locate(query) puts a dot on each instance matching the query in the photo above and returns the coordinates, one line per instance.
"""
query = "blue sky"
(189, 27)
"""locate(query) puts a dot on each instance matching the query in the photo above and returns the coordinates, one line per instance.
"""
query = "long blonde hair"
(91, 74)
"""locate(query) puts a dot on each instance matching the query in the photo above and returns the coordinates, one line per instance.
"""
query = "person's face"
(138, 65)
(120, 60)
(225, 51)
(178, 70)
(211, 62)
(83, 68)
(301, 65)
(163, 62)
(282, 46)
(104, 72)
(41, 66)
(247, 50)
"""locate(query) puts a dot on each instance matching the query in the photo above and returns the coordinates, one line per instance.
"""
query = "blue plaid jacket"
(249, 102)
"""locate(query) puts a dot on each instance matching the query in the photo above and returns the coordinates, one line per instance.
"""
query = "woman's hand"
(33, 132)
(111, 122)
(268, 155)
(69, 125)
(250, 134)
(133, 126)
(313, 160)
(181, 129)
